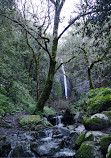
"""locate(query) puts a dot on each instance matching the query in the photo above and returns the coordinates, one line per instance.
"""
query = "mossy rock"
(108, 114)
(30, 121)
(80, 139)
(33, 122)
(83, 137)
(109, 152)
(85, 150)
(96, 122)
(105, 142)
(3, 139)
(89, 137)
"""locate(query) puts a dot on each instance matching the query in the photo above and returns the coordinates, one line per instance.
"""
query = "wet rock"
(79, 117)
(19, 151)
(6, 124)
(65, 152)
(80, 129)
(5, 149)
(105, 142)
(46, 148)
(97, 122)
(96, 134)
(109, 152)
(88, 149)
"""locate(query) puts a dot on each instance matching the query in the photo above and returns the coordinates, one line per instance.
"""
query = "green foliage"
(31, 108)
(33, 122)
(3, 139)
(6, 106)
(49, 111)
(30, 122)
(105, 142)
(99, 100)
(79, 104)
(21, 93)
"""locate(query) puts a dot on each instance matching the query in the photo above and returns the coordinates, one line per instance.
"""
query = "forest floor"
(10, 125)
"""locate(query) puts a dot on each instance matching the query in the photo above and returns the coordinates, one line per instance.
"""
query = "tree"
(33, 31)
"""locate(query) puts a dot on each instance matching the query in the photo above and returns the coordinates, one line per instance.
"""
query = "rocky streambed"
(90, 139)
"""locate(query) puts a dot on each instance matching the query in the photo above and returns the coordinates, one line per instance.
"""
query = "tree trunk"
(47, 89)
(91, 85)
(38, 75)
(89, 67)
(49, 81)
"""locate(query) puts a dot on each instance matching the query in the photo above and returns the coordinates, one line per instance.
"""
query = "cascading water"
(65, 81)
(49, 134)
(58, 121)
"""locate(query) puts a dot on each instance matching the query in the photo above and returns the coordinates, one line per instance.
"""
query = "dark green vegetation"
(85, 151)
(30, 59)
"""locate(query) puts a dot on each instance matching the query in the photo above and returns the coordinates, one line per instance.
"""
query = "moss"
(3, 139)
(99, 100)
(90, 138)
(105, 142)
(33, 122)
(108, 113)
(80, 139)
(85, 150)
(92, 123)
(30, 122)
(108, 154)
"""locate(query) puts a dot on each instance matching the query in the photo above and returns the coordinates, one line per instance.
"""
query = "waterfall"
(65, 81)
(58, 121)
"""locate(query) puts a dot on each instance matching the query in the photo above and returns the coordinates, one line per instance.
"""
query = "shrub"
(49, 111)
(99, 100)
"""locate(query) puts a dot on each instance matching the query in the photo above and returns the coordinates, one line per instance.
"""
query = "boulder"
(105, 142)
(109, 152)
(97, 122)
(80, 129)
(5, 149)
(88, 150)
(19, 151)
(48, 148)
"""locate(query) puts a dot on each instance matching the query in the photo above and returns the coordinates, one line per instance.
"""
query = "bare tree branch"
(31, 48)
(53, 2)
(24, 27)
(72, 22)
(66, 62)
(61, 5)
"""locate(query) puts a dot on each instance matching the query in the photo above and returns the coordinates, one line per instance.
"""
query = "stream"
(53, 142)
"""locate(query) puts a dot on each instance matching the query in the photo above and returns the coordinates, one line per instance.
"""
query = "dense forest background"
(25, 58)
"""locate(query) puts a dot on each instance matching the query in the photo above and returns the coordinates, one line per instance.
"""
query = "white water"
(49, 134)
(58, 121)
(65, 80)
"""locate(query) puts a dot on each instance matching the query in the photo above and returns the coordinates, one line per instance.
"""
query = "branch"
(26, 35)
(48, 51)
(66, 62)
(24, 27)
(72, 22)
(53, 2)
(97, 61)
(61, 5)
